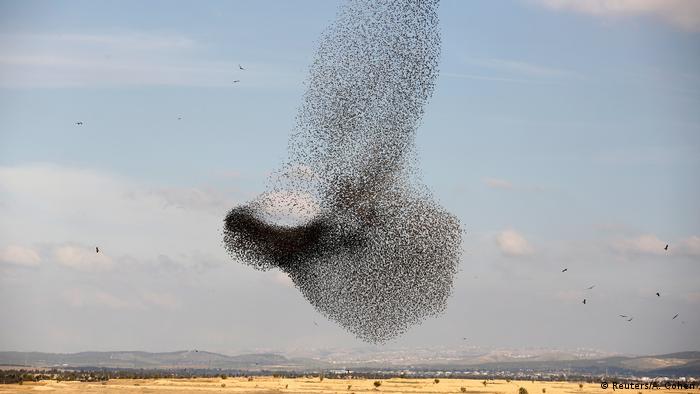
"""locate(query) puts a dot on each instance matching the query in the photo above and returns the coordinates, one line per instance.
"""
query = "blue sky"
(561, 134)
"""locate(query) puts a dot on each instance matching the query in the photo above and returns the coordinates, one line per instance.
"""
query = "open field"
(314, 385)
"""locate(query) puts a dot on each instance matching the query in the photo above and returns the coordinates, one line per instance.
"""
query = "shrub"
(463, 389)
(484, 383)
(223, 384)
(377, 383)
(436, 381)
(580, 386)
(349, 387)
(544, 390)
(522, 390)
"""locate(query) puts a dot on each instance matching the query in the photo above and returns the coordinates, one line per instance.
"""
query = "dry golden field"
(264, 385)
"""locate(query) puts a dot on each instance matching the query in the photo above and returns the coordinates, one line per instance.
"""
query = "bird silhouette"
(316, 324)
(590, 288)
(240, 67)
(675, 316)
(97, 249)
(630, 319)
(79, 123)
(236, 81)
(624, 316)
(179, 118)
(564, 270)
(666, 248)
(584, 301)
(657, 294)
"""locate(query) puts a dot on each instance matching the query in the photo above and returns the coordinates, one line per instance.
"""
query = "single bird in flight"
(179, 117)
(316, 324)
(675, 316)
(590, 288)
(97, 249)
(584, 301)
(79, 123)
(657, 294)
(236, 81)
(241, 67)
(666, 248)
(624, 316)
(564, 270)
(630, 319)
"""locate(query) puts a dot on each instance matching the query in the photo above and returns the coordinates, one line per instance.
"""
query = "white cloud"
(498, 183)
(684, 14)
(19, 255)
(78, 209)
(79, 298)
(513, 243)
(211, 201)
(82, 258)
(644, 244)
(689, 246)
(124, 58)
(289, 208)
(693, 297)
(161, 300)
(280, 278)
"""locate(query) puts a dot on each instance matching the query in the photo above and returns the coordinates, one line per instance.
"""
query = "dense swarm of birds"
(359, 235)
(347, 217)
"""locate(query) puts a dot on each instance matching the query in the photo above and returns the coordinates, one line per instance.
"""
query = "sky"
(562, 133)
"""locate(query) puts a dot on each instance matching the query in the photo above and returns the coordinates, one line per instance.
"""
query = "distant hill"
(146, 360)
(674, 364)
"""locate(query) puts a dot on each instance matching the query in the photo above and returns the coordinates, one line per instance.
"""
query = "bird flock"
(374, 251)
(628, 318)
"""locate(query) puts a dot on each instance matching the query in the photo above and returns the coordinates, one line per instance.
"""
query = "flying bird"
(179, 117)
(316, 324)
(624, 316)
(584, 301)
(79, 123)
(97, 249)
(590, 288)
(666, 248)
(236, 81)
(657, 294)
(675, 316)
(240, 67)
(630, 319)
(564, 270)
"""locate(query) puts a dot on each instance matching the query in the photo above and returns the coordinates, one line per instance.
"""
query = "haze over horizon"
(561, 135)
